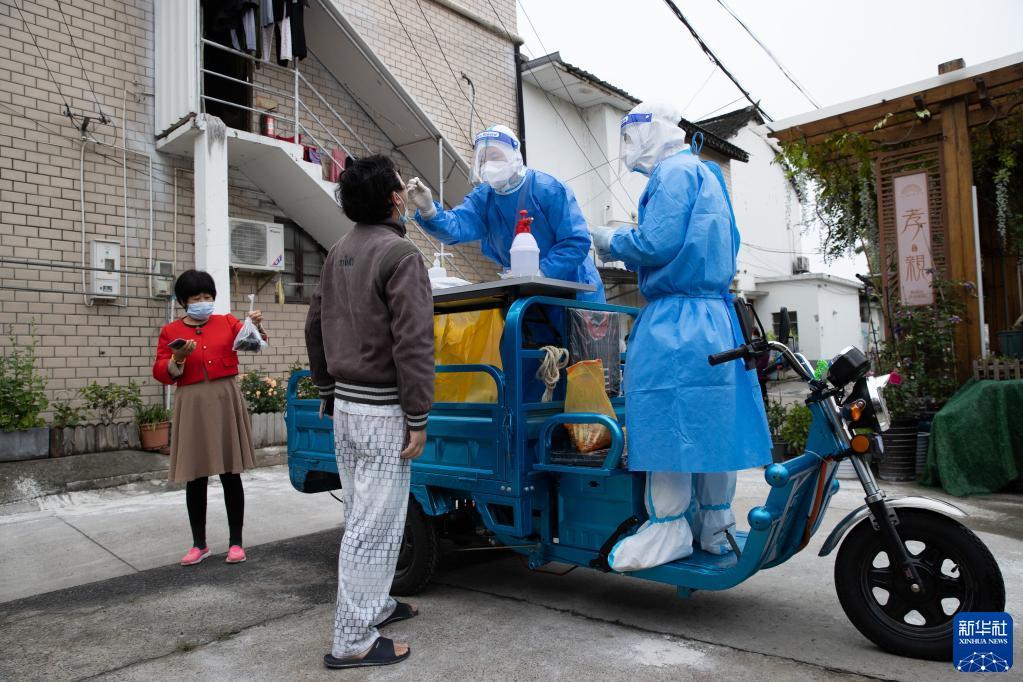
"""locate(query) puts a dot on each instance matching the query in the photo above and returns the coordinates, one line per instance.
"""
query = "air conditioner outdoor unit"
(257, 245)
(800, 265)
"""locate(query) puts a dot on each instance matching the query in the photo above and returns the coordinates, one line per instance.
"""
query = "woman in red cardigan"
(210, 434)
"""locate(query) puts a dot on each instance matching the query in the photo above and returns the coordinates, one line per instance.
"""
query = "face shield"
(649, 134)
(497, 160)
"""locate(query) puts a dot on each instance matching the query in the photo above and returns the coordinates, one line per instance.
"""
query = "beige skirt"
(211, 433)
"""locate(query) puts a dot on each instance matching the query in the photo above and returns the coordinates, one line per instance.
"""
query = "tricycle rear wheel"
(419, 553)
(957, 570)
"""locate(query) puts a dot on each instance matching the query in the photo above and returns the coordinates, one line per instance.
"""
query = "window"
(793, 324)
(303, 261)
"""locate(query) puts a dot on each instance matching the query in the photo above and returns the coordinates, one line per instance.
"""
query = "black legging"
(234, 500)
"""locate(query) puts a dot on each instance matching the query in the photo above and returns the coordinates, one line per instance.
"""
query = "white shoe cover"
(715, 493)
(666, 536)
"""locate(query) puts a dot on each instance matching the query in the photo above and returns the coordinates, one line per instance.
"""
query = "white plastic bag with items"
(249, 339)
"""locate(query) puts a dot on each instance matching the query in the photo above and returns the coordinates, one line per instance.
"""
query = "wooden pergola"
(931, 120)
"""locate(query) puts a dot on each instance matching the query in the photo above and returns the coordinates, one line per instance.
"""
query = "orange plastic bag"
(585, 393)
(467, 339)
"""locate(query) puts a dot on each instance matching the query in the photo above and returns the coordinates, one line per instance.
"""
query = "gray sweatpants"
(368, 441)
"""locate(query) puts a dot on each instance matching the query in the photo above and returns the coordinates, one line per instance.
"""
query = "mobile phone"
(176, 344)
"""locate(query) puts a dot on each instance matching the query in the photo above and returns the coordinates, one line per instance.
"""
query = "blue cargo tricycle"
(501, 474)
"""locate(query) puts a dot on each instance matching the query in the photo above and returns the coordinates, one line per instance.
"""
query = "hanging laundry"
(249, 29)
(237, 18)
(266, 25)
(282, 29)
(298, 45)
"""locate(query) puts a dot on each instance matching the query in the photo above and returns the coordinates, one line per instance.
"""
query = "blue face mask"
(200, 311)
(403, 217)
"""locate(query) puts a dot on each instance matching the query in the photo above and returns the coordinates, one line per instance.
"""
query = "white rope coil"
(555, 360)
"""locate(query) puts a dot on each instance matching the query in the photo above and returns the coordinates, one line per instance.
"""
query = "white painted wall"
(839, 323)
(828, 313)
(551, 123)
(798, 297)
(767, 212)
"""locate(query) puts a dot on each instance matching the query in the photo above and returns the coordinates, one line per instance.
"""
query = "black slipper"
(381, 653)
(402, 611)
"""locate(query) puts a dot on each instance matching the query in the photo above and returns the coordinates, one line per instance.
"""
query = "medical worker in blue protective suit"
(690, 425)
(491, 211)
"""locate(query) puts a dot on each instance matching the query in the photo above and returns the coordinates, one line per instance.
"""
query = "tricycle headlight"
(875, 391)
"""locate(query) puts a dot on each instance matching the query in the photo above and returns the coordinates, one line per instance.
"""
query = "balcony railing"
(302, 119)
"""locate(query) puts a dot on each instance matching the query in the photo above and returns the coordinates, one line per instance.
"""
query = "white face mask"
(403, 216)
(502, 176)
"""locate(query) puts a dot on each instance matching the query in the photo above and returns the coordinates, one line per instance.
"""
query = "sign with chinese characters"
(982, 642)
(913, 227)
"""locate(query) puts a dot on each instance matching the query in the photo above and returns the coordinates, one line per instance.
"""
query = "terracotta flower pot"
(154, 436)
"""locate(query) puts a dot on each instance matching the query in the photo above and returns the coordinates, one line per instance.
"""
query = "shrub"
(107, 402)
(306, 388)
(922, 349)
(775, 416)
(65, 415)
(152, 414)
(262, 393)
(796, 427)
(22, 388)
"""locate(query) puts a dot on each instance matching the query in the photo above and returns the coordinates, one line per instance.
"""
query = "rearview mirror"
(784, 329)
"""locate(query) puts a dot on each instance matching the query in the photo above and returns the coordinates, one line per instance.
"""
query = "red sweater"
(212, 357)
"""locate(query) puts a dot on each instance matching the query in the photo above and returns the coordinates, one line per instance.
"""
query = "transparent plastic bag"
(249, 340)
(585, 393)
(595, 336)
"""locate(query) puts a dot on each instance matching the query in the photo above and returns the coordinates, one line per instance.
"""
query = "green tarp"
(976, 444)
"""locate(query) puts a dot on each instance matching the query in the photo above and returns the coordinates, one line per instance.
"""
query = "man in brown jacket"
(369, 334)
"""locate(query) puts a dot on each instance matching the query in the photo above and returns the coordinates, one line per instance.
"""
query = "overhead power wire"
(710, 54)
(60, 93)
(696, 94)
(614, 196)
(102, 115)
(422, 61)
(574, 103)
(792, 79)
(458, 79)
(723, 106)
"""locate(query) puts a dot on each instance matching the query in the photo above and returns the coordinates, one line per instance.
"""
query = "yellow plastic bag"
(467, 339)
(585, 393)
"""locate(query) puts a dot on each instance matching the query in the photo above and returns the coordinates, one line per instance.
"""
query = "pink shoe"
(194, 556)
(235, 555)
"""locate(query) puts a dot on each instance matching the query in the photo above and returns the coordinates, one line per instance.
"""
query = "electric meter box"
(106, 264)
(162, 279)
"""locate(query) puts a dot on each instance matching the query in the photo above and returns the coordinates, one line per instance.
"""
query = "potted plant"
(775, 419)
(23, 434)
(921, 351)
(796, 427)
(265, 397)
(154, 426)
(108, 403)
(66, 432)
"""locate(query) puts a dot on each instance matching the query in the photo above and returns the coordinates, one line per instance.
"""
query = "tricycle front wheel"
(419, 553)
(957, 571)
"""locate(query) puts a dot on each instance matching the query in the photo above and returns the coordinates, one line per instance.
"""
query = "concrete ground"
(90, 590)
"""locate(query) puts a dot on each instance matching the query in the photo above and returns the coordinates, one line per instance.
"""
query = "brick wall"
(40, 205)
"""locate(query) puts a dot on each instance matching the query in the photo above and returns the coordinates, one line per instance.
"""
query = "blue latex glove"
(602, 241)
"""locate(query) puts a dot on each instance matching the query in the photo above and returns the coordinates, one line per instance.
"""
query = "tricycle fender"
(854, 517)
